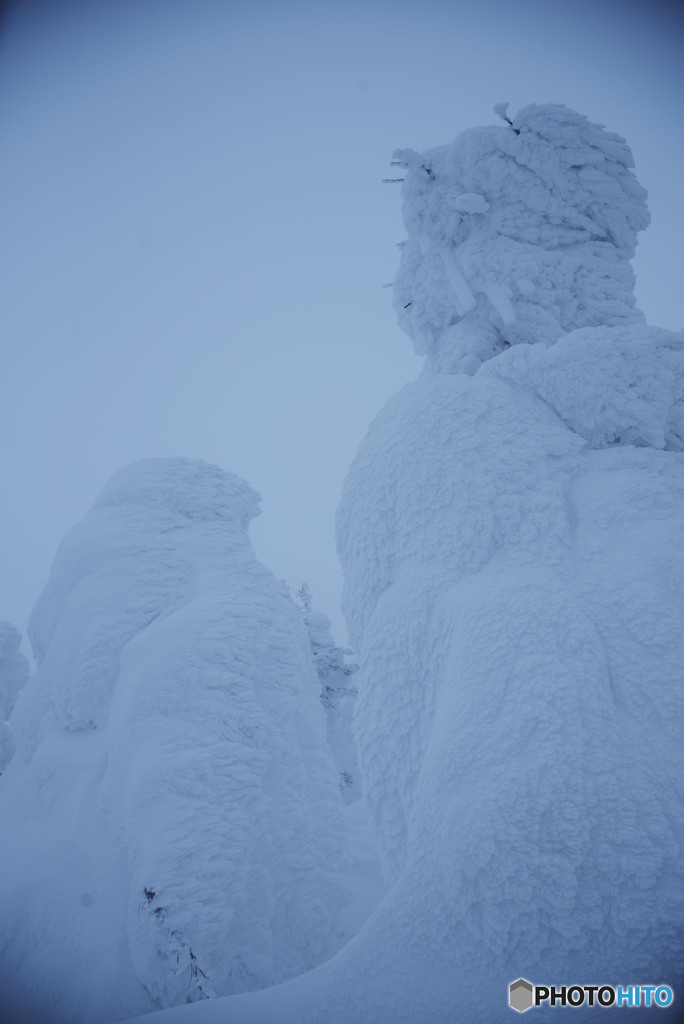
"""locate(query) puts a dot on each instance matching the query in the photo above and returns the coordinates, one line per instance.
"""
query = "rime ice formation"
(172, 824)
(338, 695)
(513, 548)
(512, 536)
(518, 614)
(14, 673)
(517, 234)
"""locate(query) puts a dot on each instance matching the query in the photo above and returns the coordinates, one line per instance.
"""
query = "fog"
(196, 237)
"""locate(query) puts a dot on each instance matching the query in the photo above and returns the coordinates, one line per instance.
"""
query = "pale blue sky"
(195, 236)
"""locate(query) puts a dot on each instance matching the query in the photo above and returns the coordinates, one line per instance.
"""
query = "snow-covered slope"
(173, 827)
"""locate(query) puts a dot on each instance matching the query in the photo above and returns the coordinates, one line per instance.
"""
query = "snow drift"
(173, 827)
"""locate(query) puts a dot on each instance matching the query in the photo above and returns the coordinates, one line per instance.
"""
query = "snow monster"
(512, 537)
(172, 825)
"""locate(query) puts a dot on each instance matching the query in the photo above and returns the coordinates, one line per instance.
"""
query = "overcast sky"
(195, 238)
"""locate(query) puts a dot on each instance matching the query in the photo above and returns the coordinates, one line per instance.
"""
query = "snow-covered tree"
(338, 694)
(14, 673)
(512, 536)
(517, 233)
(173, 826)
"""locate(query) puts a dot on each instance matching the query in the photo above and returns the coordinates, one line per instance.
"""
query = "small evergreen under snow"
(338, 695)
(512, 537)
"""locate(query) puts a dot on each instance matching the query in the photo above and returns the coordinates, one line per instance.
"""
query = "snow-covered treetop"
(182, 488)
(128, 532)
(519, 232)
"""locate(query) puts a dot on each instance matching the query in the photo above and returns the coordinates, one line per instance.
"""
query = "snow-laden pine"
(172, 824)
(337, 692)
(517, 233)
(513, 545)
(512, 536)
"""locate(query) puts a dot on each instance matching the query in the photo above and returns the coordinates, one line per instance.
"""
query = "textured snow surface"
(512, 538)
(615, 385)
(516, 603)
(516, 600)
(517, 233)
(173, 826)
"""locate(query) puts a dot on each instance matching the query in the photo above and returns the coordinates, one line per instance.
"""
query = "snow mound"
(174, 827)
(517, 233)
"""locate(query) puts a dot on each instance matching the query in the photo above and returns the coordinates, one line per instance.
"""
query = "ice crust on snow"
(517, 233)
(172, 781)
